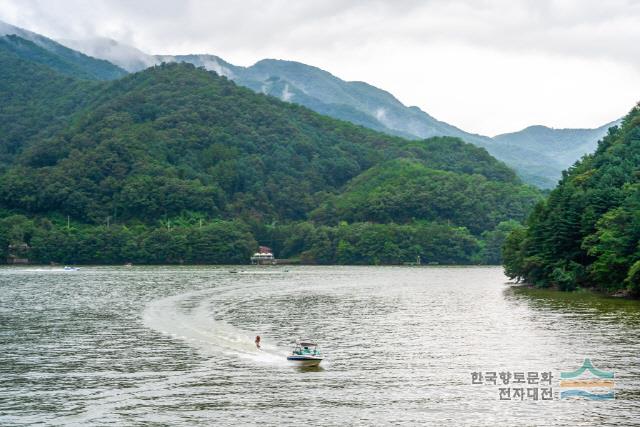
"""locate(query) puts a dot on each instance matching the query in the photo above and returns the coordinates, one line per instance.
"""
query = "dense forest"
(587, 233)
(177, 164)
(34, 97)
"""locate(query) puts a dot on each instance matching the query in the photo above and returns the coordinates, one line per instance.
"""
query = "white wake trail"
(189, 317)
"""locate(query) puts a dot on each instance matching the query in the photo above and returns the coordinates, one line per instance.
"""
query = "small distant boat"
(305, 353)
(128, 264)
(263, 257)
(68, 268)
(233, 271)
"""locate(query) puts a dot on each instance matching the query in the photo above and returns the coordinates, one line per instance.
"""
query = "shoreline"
(621, 294)
(245, 265)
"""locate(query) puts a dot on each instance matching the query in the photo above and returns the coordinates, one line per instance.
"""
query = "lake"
(174, 345)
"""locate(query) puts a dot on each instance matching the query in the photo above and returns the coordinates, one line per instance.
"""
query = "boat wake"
(189, 317)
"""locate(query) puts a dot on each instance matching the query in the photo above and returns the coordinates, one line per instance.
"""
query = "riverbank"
(279, 262)
(525, 288)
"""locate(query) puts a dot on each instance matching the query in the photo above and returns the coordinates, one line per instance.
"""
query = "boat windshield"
(302, 349)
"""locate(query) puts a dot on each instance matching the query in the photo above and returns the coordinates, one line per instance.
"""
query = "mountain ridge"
(100, 69)
(369, 106)
(366, 105)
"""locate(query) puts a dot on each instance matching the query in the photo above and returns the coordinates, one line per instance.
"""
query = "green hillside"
(538, 157)
(177, 164)
(35, 98)
(538, 154)
(67, 61)
(403, 190)
(175, 138)
(28, 50)
(586, 234)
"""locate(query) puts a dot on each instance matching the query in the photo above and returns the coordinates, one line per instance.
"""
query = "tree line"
(587, 232)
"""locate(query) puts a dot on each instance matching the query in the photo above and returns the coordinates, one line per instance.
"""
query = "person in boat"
(257, 341)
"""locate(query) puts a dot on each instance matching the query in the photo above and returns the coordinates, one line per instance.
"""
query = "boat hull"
(304, 361)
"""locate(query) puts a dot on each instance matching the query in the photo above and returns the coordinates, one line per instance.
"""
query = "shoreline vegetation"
(586, 234)
(587, 292)
(196, 241)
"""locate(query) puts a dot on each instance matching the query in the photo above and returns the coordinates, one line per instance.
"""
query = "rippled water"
(175, 346)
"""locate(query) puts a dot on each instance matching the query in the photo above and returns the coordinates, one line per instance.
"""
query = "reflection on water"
(175, 346)
(308, 368)
(584, 301)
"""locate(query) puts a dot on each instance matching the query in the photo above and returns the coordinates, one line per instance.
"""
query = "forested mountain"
(61, 58)
(538, 156)
(402, 190)
(176, 163)
(34, 95)
(28, 50)
(586, 234)
(321, 91)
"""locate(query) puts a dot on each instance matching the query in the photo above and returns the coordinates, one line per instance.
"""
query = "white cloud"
(286, 93)
(487, 66)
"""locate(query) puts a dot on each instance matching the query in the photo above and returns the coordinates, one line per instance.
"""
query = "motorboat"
(68, 268)
(305, 353)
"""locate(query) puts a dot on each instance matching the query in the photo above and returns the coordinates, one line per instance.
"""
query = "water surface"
(174, 345)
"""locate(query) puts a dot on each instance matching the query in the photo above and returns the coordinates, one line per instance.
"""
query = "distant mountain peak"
(207, 61)
(125, 56)
(78, 64)
(8, 29)
(537, 128)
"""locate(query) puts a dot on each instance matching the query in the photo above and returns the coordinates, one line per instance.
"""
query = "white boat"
(305, 353)
(67, 268)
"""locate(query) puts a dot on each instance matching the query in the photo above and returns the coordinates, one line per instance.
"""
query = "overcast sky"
(485, 66)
